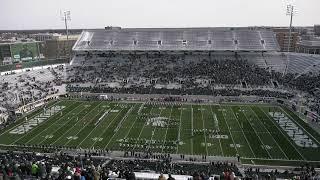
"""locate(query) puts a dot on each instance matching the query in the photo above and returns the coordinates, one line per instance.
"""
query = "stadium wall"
(187, 98)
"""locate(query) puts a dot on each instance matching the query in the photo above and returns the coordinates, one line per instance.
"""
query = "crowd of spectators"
(171, 74)
(21, 88)
(54, 166)
(164, 69)
(21, 165)
(306, 83)
(304, 172)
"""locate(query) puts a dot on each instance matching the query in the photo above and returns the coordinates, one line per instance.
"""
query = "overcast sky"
(45, 14)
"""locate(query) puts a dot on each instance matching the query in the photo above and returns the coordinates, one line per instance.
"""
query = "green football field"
(250, 130)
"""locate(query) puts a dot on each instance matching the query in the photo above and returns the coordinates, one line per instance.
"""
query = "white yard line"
(144, 124)
(44, 128)
(165, 136)
(229, 131)
(123, 119)
(94, 116)
(119, 125)
(256, 134)
(191, 140)
(283, 133)
(154, 129)
(179, 134)
(142, 105)
(204, 131)
(56, 125)
(269, 133)
(242, 131)
(105, 128)
(105, 117)
(72, 126)
(217, 126)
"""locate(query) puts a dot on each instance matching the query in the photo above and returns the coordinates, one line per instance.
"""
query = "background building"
(5, 54)
(317, 30)
(59, 47)
(282, 35)
(311, 46)
(44, 36)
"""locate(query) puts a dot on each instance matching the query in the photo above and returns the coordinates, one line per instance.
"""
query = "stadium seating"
(298, 64)
(188, 39)
(270, 41)
(21, 88)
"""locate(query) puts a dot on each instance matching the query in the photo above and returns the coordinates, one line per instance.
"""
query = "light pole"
(66, 16)
(290, 9)
(290, 12)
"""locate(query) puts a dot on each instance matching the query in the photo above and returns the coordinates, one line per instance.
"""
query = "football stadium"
(198, 95)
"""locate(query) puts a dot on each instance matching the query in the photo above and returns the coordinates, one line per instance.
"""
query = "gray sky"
(44, 14)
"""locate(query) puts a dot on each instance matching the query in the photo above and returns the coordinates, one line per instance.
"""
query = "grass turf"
(194, 129)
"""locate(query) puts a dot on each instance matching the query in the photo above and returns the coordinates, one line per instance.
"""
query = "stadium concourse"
(199, 102)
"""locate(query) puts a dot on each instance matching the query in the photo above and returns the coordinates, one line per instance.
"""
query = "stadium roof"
(176, 39)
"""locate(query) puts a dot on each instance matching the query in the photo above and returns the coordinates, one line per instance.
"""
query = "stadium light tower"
(66, 16)
(290, 12)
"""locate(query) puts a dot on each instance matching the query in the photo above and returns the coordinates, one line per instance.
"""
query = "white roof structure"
(176, 39)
